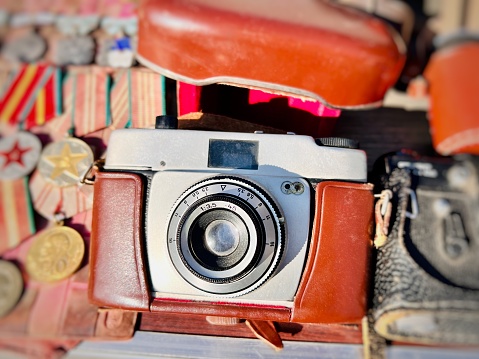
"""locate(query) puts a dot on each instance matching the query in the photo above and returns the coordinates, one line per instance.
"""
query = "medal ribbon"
(16, 214)
(33, 97)
(137, 97)
(87, 107)
(6, 78)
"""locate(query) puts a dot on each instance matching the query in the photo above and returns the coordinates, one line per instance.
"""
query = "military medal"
(28, 48)
(55, 185)
(11, 286)
(64, 163)
(19, 154)
(73, 25)
(55, 254)
(76, 47)
(32, 97)
(121, 54)
(74, 50)
(121, 26)
(25, 104)
(115, 25)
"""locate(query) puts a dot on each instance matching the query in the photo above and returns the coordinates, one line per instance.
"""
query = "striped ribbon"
(137, 97)
(16, 215)
(33, 97)
(6, 78)
(86, 94)
(49, 199)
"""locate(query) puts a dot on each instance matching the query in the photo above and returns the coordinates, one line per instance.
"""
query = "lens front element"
(225, 236)
(221, 237)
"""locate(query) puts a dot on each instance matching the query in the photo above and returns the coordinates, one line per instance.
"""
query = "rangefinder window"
(233, 154)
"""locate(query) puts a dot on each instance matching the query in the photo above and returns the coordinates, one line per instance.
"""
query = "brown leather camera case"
(333, 287)
(318, 49)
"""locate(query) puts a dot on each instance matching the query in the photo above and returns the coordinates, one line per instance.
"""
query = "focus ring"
(229, 201)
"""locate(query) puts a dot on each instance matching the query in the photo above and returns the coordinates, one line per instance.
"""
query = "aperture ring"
(260, 216)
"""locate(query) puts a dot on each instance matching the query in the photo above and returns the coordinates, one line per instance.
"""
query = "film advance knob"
(338, 142)
(166, 122)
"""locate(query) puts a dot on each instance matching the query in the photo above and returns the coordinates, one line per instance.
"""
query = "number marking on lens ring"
(256, 202)
(251, 197)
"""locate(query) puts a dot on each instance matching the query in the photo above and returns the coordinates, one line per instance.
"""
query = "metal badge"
(55, 254)
(65, 163)
(121, 54)
(40, 18)
(28, 48)
(11, 286)
(116, 25)
(74, 50)
(105, 44)
(77, 24)
(19, 154)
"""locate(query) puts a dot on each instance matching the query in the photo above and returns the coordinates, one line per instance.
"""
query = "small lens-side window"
(233, 154)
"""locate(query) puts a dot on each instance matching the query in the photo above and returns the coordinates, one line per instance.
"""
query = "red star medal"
(19, 154)
(15, 155)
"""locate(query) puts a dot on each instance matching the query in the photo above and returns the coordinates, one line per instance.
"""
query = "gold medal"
(55, 254)
(64, 163)
(11, 286)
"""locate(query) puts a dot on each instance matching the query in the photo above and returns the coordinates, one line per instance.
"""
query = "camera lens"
(225, 236)
(228, 236)
(221, 237)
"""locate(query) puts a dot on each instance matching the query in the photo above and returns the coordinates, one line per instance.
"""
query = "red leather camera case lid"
(117, 272)
(334, 54)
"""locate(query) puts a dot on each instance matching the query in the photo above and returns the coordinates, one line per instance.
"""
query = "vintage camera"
(427, 278)
(250, 225)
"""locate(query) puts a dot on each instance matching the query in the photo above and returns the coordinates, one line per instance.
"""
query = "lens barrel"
(225, 236)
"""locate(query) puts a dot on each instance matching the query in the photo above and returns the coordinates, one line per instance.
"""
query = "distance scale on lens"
(225, 236)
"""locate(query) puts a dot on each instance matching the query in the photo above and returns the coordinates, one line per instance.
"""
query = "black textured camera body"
(427, 280)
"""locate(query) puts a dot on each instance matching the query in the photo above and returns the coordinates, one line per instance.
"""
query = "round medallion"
(19, 155)
(28, 48)
(64, 163)
(74, 50)
(55, 254)
(11, 286)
